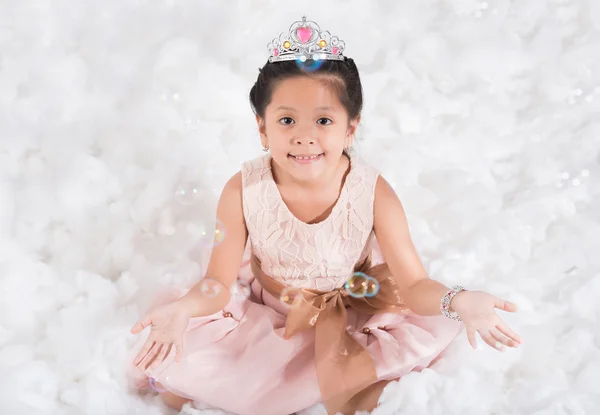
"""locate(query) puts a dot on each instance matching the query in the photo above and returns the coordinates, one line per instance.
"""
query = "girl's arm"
(226, 257)
(420, 293)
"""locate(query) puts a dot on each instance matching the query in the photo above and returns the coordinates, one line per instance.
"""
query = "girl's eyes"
(290, 121)
(282, 121)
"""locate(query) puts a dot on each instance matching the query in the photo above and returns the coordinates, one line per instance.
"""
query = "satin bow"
(345, 371)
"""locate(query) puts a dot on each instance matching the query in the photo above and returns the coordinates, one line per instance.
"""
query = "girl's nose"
(304, 140)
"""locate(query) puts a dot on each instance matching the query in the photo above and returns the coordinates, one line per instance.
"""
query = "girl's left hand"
(477, 311)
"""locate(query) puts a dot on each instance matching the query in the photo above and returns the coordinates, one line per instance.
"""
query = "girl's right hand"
(168, 323)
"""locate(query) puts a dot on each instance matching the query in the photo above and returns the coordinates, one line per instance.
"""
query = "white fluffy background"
(485, 116)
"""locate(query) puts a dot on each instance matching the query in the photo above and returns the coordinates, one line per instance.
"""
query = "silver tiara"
(305, 40)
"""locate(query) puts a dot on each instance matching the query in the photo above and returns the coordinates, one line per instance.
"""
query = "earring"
(350, 149)
(265, 149)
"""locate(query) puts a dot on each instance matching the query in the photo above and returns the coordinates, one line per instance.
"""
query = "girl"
(320, 322)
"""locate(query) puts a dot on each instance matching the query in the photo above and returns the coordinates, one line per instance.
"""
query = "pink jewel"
(276, 52)
(335, 50)
(304, 34)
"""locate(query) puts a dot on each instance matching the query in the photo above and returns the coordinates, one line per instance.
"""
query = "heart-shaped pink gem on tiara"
(304, 34)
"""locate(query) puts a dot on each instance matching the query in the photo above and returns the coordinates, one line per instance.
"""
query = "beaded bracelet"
(445, 304)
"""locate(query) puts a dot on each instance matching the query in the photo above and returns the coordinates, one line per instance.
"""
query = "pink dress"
(238, 359)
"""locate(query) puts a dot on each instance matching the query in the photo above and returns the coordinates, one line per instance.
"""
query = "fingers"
(153, 354)
(141, 325)
(505, 305)
(499, 337)
(491, 341)
(502, 338)
(471, 337)
(142, 354)
(160, 357)
(504, 329)
(151, 357)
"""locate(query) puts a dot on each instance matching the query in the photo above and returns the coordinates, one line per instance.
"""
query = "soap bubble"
(357, 284)
(210, 288)
(241, 288)
(153, 385)
(372, 287)
(289, 295)
(309, 65)
(214, 237)
(188, 193)
(360, 285)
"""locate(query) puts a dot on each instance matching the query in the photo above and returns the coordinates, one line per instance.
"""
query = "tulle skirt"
(238, 360)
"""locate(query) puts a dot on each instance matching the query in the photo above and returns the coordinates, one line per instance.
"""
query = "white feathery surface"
(484, 116)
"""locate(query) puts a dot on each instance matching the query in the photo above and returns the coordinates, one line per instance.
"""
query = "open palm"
(477, 311)
(167, 324)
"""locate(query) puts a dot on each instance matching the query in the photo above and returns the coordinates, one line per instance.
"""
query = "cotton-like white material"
(484, 116)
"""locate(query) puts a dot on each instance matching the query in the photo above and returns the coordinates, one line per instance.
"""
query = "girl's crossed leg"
(170, 399)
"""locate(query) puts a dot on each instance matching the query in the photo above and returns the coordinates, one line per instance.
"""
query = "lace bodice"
(321, 255)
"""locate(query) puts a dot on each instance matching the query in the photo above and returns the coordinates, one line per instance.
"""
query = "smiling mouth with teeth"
(312, 157)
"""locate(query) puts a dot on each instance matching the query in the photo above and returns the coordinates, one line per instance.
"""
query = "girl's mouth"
(306, 158)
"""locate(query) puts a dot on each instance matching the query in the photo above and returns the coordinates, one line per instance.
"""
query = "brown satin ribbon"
(345, 371)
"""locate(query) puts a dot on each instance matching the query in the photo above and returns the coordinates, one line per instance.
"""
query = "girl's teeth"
(307, 158)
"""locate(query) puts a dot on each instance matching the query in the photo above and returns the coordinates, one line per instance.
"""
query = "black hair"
(342, 76)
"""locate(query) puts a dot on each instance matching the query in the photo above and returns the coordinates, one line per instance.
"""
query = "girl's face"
(306, 128)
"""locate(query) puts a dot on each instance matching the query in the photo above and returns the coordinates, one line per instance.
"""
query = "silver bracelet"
(445, 304)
